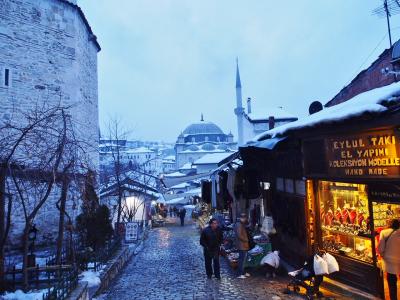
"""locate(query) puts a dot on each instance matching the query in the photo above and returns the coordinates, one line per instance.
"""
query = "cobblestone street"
(171, 266)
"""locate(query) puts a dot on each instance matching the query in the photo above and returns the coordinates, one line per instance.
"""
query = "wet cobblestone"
(171, 266)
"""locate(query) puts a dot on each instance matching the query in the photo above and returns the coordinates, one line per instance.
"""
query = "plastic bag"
(268, 226)
(333, 265)
(271, 259)
(320, 265)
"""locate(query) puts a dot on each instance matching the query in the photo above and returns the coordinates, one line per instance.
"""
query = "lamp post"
(32, 237)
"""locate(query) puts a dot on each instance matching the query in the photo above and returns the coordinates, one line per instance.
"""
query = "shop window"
(300, 187)
(280, 186)
(384, 213)
(289, 186)
(344, 219)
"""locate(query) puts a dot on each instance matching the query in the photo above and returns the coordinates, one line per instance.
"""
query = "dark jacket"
(211, 240)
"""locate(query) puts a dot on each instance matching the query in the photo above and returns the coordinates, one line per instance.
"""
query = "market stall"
(255, 255)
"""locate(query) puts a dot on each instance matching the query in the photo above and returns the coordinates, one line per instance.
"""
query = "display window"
(345, 220)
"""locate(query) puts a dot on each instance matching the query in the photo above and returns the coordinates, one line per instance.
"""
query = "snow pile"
(92, 278)
(369, 102)
(20, 295)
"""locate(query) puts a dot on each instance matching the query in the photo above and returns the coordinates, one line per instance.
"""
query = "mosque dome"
(202, 127)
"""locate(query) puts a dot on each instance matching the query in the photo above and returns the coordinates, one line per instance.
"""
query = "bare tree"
(41, 156)
(117, 135)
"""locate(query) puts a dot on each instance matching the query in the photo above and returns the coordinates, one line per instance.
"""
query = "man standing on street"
(242, 244)
(182, 214)
(211, 240)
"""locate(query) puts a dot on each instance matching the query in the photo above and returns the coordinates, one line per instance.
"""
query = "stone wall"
(50, 53)
(51, 56)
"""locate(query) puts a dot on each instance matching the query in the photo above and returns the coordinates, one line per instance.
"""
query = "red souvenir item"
(328, 218)
(360, 218)
(345, 216)
(353, 216)
(338, 215)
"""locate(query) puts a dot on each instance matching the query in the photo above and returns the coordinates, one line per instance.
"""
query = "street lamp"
(32, 237)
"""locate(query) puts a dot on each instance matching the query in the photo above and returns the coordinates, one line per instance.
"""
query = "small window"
(289, 186)
(280, 185)
(6, 77)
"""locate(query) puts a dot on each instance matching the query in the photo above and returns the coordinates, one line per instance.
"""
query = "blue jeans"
(242, 261)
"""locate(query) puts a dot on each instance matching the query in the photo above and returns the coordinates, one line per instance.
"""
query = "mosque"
(201, 138)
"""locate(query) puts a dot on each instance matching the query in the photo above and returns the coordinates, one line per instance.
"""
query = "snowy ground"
(20, 295)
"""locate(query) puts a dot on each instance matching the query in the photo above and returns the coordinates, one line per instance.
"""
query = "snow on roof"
(181, 200)
(202, 150)
(181, 186)
(187, 166)
(170, 157)
(213, 158)
(277, 113)
(139, 150)
(369, 102)
(175, 174)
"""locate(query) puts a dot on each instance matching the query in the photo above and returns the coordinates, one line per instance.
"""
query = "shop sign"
(380, 192)
(131, 233)
(374, 155)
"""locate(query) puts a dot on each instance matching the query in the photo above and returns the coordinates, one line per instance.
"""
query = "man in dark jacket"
(211, 240)
(182, 215)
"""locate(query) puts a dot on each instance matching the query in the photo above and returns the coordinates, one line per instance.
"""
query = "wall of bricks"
(366, 80)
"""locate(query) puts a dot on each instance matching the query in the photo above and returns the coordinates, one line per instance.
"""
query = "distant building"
(136, 155)
(251, 123)
(199, 139)
(168, 164)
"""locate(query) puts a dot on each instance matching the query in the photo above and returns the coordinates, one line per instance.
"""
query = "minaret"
(239, 110)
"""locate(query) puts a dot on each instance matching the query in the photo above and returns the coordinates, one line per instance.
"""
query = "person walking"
(182, 214)
(389, 249)
(211, 240)
(242, 244)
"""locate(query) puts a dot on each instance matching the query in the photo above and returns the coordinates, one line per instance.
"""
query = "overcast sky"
(164, 62)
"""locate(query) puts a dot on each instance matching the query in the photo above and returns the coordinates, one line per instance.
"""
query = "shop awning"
(180, 200)
(269, 144)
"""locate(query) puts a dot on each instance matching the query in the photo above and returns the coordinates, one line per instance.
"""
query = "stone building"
(48, 56)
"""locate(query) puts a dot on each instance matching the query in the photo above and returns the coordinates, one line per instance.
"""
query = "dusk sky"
(164, 62)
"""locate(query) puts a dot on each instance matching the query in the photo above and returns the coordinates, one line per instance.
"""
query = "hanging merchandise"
(251, 188)
(206, 191)
(239, 182)
(214, 191)
(230, 183)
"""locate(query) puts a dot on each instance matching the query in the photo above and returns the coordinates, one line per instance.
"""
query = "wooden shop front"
(353, 192)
